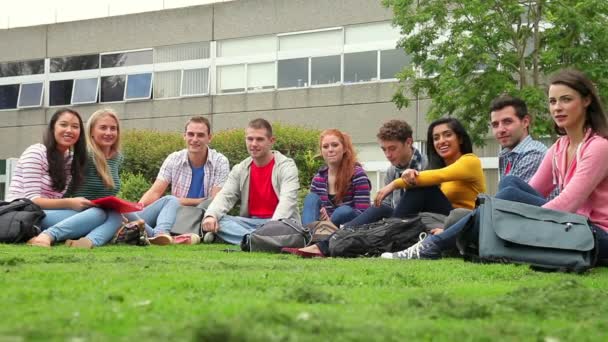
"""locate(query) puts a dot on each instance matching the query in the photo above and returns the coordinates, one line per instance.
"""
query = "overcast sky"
(18, 13)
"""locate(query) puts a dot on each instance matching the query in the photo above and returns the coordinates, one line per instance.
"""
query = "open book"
(118, 204)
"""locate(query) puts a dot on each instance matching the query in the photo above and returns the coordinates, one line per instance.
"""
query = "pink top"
(31, 177)
(584, 185)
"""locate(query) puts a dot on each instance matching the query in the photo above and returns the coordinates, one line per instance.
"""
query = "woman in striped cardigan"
(340, 190)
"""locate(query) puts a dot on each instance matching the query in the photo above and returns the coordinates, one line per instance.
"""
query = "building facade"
(316, 63)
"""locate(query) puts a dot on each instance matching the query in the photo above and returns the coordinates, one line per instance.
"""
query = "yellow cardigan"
(461, 182)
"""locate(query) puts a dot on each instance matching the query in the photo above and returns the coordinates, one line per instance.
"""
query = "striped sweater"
(92, 187)
(31, 177)
(357, 196)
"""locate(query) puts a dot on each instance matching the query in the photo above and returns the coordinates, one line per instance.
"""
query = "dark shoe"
(303, 254)
(424, 249)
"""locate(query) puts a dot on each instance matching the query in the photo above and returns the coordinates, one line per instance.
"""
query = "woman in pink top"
(576, 164)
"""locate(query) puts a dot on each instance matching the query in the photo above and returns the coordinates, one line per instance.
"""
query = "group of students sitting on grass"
(68, 170)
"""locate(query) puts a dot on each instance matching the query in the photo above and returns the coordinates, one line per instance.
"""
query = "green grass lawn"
(205, 294)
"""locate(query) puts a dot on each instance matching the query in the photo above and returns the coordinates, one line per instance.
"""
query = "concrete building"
(316, 63)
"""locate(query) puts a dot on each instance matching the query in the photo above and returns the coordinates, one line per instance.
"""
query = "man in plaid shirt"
(196, 174)
(520, 155)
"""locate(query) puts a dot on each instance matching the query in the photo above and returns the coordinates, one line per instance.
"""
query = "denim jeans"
(233, 228)
(159, 216)
(96, 224)
(428, 199)
(514, 189)
(371, 214)
(312, 207)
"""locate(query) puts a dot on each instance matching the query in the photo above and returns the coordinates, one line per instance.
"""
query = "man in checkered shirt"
(196, 174)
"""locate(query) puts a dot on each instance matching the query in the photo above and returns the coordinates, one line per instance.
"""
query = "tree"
(467, 52)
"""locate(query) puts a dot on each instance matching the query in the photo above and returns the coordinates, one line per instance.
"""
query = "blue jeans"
(233, 228)
(96, 224)
(371, 214)
(427, 199)
(312, 207)
(159, 216)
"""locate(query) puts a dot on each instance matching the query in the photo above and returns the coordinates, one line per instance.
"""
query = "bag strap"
(299, 228)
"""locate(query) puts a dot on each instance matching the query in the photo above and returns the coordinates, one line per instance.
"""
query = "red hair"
(346, 169)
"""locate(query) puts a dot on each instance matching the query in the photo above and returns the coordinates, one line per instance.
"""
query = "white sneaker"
(187, 239)
(423, 249)
(209, 237)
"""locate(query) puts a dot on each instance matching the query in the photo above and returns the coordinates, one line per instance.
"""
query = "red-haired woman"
(340, 190)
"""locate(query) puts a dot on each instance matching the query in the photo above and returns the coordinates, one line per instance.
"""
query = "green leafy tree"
(467, 52)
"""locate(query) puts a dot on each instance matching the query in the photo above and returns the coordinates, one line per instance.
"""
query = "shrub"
(145, 151)
(133, 186)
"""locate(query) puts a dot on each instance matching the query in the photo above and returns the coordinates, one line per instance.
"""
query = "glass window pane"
(33, 67)
(138, 86)
(325, 70)
(30, 95)
(85, 91)
(360, 66)
(8, 96)
(195, 82)
(2, 166)
(369, 33)
(60, 92)
(247, 46)
(126, 59)
(293, 73)
(314, 40)
(181, 52)
(74, 63)
(391, 62)
(167, 83)
(231, 78)
(112, 88)
(261, 76)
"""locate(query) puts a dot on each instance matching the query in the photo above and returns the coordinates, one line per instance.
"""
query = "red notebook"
(118, 204)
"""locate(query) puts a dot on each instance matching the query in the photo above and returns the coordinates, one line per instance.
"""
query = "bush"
(133, 186)
(145, 151)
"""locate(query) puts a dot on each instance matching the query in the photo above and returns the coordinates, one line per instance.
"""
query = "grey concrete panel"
(422, 123)
(22, 43)
(129, 32)
(23, 117)
(258, 17)
(361, 121)
(14, 140)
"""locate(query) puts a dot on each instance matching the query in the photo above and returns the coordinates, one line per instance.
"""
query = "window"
(261, 76)
(33, 67)
(360, 67)
(8, 96)
(75, 63)
(195, 82)
(325, 70)
(181, 52)
(167, 84)
(391, 62)
(139, 86)
(30, 95)
(60, 92)
(312, 40)
(112, 88)
(85, 90)
(231, 78)
(126, 59)
(293, 73)
(247, 46)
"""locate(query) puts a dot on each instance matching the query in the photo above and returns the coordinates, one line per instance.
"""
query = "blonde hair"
(99, 159)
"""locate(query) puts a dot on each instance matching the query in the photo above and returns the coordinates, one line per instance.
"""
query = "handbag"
(188, 221)
(514, 232)
(274, 235)
(132, 233)
(320, 230)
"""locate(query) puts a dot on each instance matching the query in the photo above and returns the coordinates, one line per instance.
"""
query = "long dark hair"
(56, 159)
(595, 117)
(466, 146)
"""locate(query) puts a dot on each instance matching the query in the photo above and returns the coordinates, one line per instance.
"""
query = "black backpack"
(388, 235)
(19, 220)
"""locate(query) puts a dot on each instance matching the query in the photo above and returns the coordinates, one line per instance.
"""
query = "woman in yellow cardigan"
(454, 180)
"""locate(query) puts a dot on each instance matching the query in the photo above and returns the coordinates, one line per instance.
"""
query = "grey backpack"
(274, 235)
